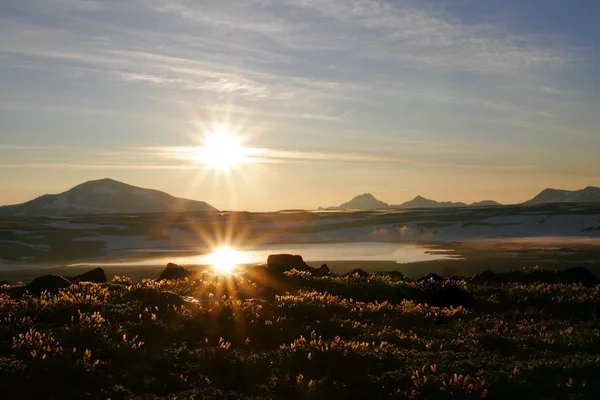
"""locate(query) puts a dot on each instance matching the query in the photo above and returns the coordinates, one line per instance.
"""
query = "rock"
(358, 272)
(578, 275)
(446, 296)
(323, 271)
(431, 277)
(174, 271)
(487, 276)
(2, 283)
(287, 262)
(49, 283)
(16, 291)
(394, 274)
(95, 276)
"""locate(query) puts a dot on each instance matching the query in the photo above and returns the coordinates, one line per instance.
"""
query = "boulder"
(486, 277)
(323, 271)
(174, 271)
(578, 275)
(431, 277)
(47, 283)
(287, 262)
(358, 271)
(447, 296)
(95, 276)
(16, 291)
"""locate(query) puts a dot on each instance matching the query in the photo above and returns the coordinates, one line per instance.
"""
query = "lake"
(319, 252)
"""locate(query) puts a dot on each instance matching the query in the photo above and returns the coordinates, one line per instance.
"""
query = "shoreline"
(465, 267)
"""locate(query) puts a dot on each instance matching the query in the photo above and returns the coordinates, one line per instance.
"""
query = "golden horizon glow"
(222, 149)
(224, 260)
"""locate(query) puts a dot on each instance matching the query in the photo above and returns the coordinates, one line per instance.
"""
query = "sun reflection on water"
(225, 259)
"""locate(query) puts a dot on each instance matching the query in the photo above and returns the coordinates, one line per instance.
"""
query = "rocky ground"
(287, 330)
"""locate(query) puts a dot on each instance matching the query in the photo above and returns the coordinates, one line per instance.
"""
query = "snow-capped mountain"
(105, 196)
(590, 194)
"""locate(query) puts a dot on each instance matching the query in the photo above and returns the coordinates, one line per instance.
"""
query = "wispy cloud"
(327, 63)
(173, 158)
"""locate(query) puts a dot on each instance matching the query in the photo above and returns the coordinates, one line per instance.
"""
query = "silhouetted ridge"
(105, 196)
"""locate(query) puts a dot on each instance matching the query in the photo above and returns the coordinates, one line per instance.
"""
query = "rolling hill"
(590, 194)
(105, 196)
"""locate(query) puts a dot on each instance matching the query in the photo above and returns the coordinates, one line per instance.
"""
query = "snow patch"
(59, 203)
(107, 190)
(81, 225)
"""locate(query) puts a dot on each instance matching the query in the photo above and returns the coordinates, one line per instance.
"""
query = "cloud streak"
(185, 158)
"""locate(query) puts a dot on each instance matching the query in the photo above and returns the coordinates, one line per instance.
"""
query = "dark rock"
(174, 271)
(487, 277)
(2, 283)
(446, 296)
(287, 262)
(394, 274)
(323, 271)
(16, 291)
(47, 283)
(95, 276)
(358, 272)
(431, 277)
(578, 275)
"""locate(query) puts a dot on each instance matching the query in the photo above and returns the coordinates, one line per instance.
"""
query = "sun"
(222, 149)
(225, 259)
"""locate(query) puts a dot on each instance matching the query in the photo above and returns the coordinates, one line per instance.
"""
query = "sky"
(454, 100)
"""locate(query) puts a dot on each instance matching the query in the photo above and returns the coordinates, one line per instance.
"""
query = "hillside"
(105, 196)
(590, 194)
(422, 202)
(485, 203)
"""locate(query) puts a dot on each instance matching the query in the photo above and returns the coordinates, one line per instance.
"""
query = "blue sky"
(458, 100)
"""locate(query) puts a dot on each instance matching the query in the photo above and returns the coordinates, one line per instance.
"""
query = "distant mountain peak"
(422, 202)
(364, 196)
(365, 201)
(485, 203)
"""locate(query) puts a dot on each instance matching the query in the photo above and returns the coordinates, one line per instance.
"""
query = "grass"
(300, 337)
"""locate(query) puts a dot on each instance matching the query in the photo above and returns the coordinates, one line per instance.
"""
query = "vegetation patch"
(302, 336)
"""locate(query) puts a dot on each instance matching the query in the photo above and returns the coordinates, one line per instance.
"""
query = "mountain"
(363, 202)
(485, 203)
(368, 202)
(105, 196)
(590, 194)
(422, 202)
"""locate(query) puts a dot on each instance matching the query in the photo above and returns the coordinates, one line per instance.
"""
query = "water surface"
(390, 252)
